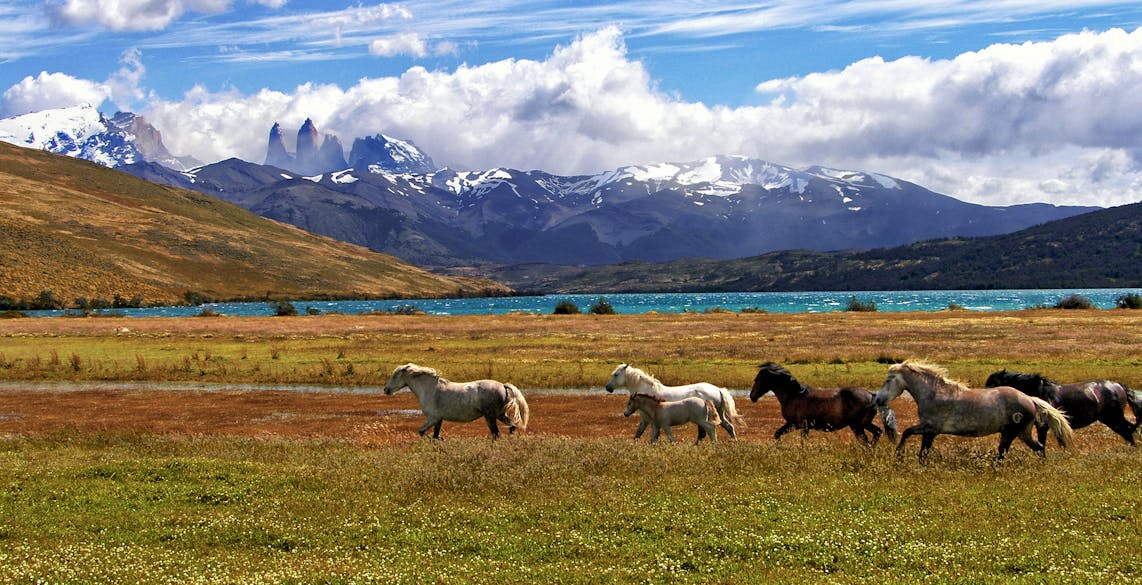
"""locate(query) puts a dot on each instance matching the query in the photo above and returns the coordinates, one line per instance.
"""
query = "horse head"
(618, 378)
(401, 375)
(771, 375)
(636, 399)
(893, 386)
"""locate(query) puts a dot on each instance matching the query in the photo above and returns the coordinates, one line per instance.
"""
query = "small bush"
(208, 312)
(955, 307)
(1074, 302)
(13, 314)
(1129, 301)
(859, 306)
(757, 310)
(602, 307)
(566, 307)
(283, 308)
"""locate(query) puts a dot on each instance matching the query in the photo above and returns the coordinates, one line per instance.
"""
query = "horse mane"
(1047, 387)
(784, 376)
(934, 373)
(415, 370)
(639, 375)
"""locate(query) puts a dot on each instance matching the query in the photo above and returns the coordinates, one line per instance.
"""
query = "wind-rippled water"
(772, 302)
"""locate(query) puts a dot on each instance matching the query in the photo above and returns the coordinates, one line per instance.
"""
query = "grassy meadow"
(114, 506)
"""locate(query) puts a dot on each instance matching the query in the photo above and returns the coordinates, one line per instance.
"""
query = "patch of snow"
(343, 177)
(314, 178)
(886, 182)
(285, 176)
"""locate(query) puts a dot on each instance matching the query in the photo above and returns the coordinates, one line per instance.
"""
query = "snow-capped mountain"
(84, 132)
(721, 207)
(389, 195)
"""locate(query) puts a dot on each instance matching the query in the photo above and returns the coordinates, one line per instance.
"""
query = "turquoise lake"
(772, 302)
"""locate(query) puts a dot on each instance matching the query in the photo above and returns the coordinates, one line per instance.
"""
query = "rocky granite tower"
(276, 155)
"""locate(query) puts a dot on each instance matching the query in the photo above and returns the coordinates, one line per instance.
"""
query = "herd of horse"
(1014, 405)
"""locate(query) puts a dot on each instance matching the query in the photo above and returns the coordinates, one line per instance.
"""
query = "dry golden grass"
(78, 229)
(551, 351)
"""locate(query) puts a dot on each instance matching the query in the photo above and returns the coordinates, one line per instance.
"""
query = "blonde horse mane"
(936, 375)
(640, 376)
(415, 370)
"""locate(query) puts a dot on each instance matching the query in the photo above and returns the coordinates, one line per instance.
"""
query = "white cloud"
(139, 15)
(50, 90)
(1054, 121)
(399, 44)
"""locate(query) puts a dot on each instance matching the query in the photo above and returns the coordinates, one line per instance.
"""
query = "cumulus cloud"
(50, 90)
(1055, 121)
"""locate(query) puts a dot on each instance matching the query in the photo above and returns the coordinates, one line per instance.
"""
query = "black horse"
(1083, 403)
(822, 410)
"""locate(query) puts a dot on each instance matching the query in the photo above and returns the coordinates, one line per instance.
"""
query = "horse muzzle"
(389, 391)
(609, 388)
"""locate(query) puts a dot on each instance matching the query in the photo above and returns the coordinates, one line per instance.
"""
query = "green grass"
(125, 508)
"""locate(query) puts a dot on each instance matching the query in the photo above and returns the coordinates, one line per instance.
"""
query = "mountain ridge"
(1101, 249)
(76, 230)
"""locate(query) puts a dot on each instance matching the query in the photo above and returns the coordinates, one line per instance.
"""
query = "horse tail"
(1055, 419)
(730, 409)
(888, 417)
(516, 408)
(712, 413)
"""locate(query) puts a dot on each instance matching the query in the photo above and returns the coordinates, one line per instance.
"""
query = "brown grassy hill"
(81, 230)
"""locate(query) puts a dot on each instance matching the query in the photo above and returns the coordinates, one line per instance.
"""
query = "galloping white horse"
(636, 380)
(664, 414)
(441, 400)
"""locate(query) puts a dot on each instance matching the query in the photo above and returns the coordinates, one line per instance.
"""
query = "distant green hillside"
(76, 229)
(1094, 250)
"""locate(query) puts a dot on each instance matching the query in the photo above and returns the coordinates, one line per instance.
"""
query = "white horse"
(441, 400)
(664, 414)
(636, 380)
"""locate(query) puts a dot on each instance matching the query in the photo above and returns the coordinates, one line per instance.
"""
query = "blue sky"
(1001, 101)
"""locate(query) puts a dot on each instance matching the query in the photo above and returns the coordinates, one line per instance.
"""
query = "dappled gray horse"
(441, 400)
(948, 407)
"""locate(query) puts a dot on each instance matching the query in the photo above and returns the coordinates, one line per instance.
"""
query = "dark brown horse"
(1083, 403)
(820, 410)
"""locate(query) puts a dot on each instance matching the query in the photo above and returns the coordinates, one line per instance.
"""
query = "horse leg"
(1041, 434)
(701, 434)
(785, 428)
(669, 434)
(908, 432)
(875, 430)
(428, 424)
(492, 426)
(925, 445)
(1040, 447)
(1118, 423)
(654, 434)
(642, 423)
(859, 433)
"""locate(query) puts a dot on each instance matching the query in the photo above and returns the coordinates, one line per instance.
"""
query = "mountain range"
(389, 196)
